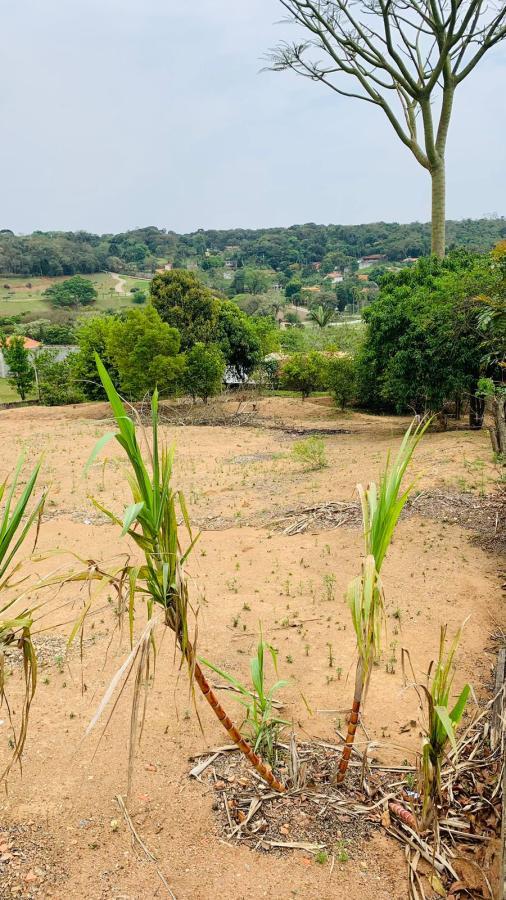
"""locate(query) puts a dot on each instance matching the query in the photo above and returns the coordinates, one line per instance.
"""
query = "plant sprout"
(151, 521)
(381, 508)
(440, 732)
(261, 722)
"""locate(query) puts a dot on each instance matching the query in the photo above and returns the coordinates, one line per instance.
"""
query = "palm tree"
(321, 315)
(151, 522)
(381, 508)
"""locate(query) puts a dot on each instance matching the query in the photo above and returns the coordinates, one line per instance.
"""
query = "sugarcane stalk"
(352, 725)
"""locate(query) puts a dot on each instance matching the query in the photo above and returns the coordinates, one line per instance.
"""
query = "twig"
(147, 852)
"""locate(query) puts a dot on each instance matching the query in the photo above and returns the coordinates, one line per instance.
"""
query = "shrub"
(304, 372)
(17, 357)
(57, 380)
(341, 379)
(204, 371)
(311, 452)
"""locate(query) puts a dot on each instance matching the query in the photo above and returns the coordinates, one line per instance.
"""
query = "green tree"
(92, 335)
(305, 372)
(293, 289)
(204, 371)
(57, 380)
(321, 316)
(144, 351)
(75, 291)
(186, 304)
(423, 345)
(256, 281)
(237, 339)
(18, 359)
(341, 379)
(138, 297)
(405, 58)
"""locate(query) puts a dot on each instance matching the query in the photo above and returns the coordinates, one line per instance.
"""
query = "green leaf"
(446, 722)
(130, 516)
(458, 710)
(96, 450)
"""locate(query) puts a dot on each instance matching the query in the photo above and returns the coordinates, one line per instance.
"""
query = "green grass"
(18, 298)
(296, 394)
(9, 395)
(140, 284)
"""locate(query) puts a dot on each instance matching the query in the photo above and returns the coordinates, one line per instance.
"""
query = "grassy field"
(9, 395)
(22, 294)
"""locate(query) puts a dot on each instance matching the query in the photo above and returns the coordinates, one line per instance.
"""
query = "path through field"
(119, 287)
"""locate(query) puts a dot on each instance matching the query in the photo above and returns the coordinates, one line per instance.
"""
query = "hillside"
(51, 254)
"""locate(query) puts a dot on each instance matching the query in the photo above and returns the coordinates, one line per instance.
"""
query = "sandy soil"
(241, 574)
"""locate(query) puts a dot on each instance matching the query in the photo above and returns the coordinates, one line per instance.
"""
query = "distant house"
(314, 289)
(409, 260)
(316, 265)
(363, 277)
(334, 277)
(231, 264)
(30, 345)
(168, 267)
(374, 259)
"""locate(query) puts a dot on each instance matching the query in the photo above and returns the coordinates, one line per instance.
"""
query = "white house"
(334, 277)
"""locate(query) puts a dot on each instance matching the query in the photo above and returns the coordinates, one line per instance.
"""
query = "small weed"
(321, 858)
(342, 854)
(311, 453)
(329, 583)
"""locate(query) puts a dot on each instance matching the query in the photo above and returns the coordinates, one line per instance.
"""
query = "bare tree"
(406, 57)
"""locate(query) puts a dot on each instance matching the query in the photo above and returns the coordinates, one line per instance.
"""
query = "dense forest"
(67, 253)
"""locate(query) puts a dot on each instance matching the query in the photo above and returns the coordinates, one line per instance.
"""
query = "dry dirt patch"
(294, 585)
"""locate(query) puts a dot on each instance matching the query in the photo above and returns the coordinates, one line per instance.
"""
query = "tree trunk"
(263, 770)
(476, 411)
(437, 174)
(352, 725)
(498, 429)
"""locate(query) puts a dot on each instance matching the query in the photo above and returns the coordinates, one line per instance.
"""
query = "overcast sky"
(122, 113)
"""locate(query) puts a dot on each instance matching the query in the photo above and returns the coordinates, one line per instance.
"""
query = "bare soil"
(62, 834)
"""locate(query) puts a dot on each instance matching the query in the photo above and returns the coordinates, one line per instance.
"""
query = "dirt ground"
(55, 820)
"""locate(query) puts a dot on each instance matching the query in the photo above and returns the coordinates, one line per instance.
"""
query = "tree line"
(68, 253)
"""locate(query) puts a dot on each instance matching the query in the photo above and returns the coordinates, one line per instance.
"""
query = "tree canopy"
(185, 303)
(423, 345)
(76, 291)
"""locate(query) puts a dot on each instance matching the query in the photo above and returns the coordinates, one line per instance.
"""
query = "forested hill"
(67, 253)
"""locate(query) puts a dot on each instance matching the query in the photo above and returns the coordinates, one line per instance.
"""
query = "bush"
(57, 380)
(305, 372)
(311, 452)
(341, 379)
(423, 345)
(204, 371)
(144, 351)
(138, 296)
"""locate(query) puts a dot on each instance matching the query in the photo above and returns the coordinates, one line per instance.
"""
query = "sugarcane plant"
(261, 721)
(442, 720)
(16, 624)
(381, 507)
(151, 521)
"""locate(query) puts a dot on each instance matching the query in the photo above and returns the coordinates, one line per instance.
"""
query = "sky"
(116, 114)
